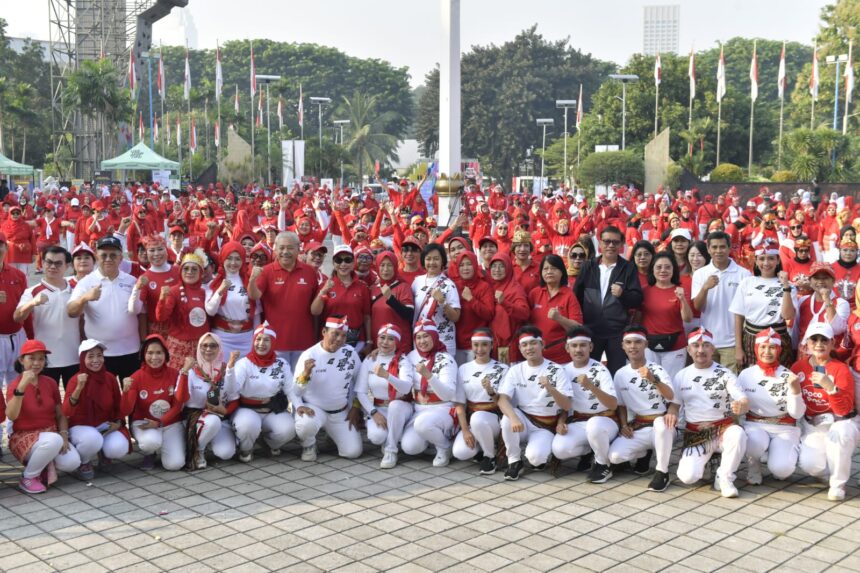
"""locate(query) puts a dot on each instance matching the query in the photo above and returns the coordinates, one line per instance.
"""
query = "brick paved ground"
(283, 514)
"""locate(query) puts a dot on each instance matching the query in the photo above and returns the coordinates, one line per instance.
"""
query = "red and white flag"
(236, 101)
(219, 77)
(280, 114)
(754, 75)
(155, 127)
(260, 110)
(301, 108)
(721, 77)
(132, 84)
(253, 73)
(579, 109)
(813, 77)
(217, 134)
(159, 81)
(849, 76)
(187, 90)
(658, 70)
(691, 72)
(192, 145)
(780, 76)
(140, 126)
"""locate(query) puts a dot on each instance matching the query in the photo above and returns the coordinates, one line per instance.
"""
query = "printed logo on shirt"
(301, 281)
(143, 394)
(152, 285)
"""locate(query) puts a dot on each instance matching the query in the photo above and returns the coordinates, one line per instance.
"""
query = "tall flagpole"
(206, 126)
(253, 126)
(691, 72)
(658, 71)
(781, 90)
(813, 85)
(753, 97)
(721, 93)
(218, 89)
(163, 92)
(719, 126)
(849, 87)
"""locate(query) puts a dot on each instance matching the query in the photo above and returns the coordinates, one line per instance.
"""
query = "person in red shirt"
(20, 238)
(149, 398)
(511, 305)
(40, 430)
(829, 431)
(148, 287)
(392, 301)
(182, 307)
(847, 270)
(554, 308)
(346, 295)
(92, 405)
(526, 270)
(477, 305)
(48, 229)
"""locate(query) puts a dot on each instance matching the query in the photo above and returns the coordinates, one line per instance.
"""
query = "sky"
(407, 33)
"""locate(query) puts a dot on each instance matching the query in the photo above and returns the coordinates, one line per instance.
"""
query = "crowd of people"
(532, 329)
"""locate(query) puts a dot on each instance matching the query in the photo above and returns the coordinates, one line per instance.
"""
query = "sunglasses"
(577, 256)
(611, 242)
(342, 260)
(410, 249)
(209, 345)
(365, 258)
(796, 227)
(50, 263)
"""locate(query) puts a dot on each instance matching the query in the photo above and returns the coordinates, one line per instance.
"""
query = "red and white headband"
(768, 336)
(337, 323)
(390, 330)
(700, 334)
(425, 326)
(481, 337)
(265, 329)
(528, 337)
(635, 335)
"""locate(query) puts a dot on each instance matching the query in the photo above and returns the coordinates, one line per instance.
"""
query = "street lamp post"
(149, 80)
(340, 123)
(268, 80)
(624, 79)
(831, 60)
(320, 101)
(543, 122)
(565, 104)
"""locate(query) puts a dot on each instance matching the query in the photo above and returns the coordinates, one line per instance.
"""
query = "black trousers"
(122, 366)
(62, 372)
(615, 356)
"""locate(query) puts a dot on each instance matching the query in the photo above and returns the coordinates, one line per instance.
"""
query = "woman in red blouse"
(665, 307)
(476, 303)
(345, 294)
(512, 307)
(392, 301)
(40, 430)
(183, 305)
(554, 308)
(20, 238)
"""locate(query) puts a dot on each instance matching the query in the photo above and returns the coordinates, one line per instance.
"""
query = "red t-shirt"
(352, 301)
(151, 397)
(97, 404)
(661, 312)
(287, 298)
(39, 408)
(151, 291)
(528, 277)
(381, 313)
(13, 283)
(818, 401)
(554, 335)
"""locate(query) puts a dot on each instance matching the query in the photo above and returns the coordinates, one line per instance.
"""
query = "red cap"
(411, 240)
(312, 246)
(821, 267)
(176, 229)
(31, 346)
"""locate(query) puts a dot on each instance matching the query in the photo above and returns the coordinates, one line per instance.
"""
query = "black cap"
(109, 242)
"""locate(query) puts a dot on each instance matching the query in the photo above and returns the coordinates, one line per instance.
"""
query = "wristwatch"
(372, 412)
(17, 392)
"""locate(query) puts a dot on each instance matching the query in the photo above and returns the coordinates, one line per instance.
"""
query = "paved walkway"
(283, 514)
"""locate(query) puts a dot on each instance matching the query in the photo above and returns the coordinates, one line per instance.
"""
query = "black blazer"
(607, 316)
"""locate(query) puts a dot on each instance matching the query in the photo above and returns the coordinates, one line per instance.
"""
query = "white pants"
(485, 427)
(347, 440)
(47, 450)
(781, 442)
(826, 450)
(213, 430)
(539, 441)
(277, 429)
(592, 435)
(659, 437)
(732, 444)
(672, 361)
(430, 424)
(10, 346)
(396, 415)
(169, 441)
(89, 442)
(291, 356)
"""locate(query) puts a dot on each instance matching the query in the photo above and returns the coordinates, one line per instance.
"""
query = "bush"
(783, 176)
(612, 167)
(727, 173)
(673, 176)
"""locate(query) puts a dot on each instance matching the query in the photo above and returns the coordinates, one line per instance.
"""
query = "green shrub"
(727, 173)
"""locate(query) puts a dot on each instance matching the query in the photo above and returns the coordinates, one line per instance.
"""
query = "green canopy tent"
(140, 157)
(9, 167)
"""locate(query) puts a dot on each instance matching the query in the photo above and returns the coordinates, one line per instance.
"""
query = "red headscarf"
(429, 327)
(454, 273)
(767, 336)
(263, 360)
(393, 259)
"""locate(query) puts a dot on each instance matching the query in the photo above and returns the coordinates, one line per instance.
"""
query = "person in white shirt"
(436, 296)
(235, 314)
(592, 425)
(46, 303)
(775, 405)
(477, 408)
(434, 390)
(532, 396)
(712, 399)
(263, 382)
(384, 389)
(324, 392)
(712, 290)
(103, 298)
(644, 390)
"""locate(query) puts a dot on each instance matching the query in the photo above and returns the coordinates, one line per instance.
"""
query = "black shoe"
(514, 469)
(585, 462)
(599, 473)
(488, 466)
(478, 457)
(643, 464)
(659, 482)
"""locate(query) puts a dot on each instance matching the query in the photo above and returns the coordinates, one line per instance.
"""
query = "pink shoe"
(31, 485)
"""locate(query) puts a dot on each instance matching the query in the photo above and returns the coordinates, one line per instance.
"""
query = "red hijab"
(393, 259)
(263, 360)
(454, 273)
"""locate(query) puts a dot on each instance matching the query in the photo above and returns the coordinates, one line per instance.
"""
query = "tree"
(368, 142)
(427, 121)
(613, 167)
(810, 152)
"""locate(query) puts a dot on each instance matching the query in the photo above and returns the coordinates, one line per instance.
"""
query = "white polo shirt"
(53, 325)
(716, 316)
(107, 319)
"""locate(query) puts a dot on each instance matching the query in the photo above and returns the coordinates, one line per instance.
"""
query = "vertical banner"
(300, 158)
(287, 163)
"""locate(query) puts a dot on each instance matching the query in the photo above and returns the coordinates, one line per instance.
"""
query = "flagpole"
(719, 126)
(752, 115)
(302, 122)
(253, 125)
(849, 88)
(163, 92)
(179, 146)
(656, 108)
(779, 152)
(753, 97)
(206, 124)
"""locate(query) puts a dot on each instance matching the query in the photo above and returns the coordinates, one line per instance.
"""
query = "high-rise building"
(661, 29)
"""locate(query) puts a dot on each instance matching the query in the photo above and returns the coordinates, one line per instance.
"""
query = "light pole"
(268, 80)
(624, 79)
(320, 101)
(149, 80)
(543, 122)
(565, 104)
(340, 123)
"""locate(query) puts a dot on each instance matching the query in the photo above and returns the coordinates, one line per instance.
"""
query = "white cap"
(89, 344)
(342, 249)
(75, 202)
(681, 232)
(819, 328)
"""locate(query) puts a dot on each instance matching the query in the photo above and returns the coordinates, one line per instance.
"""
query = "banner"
(300, 158)
(293, 161)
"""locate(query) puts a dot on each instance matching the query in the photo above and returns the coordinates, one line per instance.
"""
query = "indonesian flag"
(192, 145)
(780, 76)
(301, 108)
(178, 131)
(217, 134)
(131, 80)
(140, 126)
(219, 78)
(579, 109)
(155, 127)
(721, 77)
(280, 114)
(253, 73)
(236, 101)
(754, 75)
(260, 109)
(658, 70)
(159, 81)
(167, 127)
(849, 76)
(813, 78)
(187, 92)
(691, 72)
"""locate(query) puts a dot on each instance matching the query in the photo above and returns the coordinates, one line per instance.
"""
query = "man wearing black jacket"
(608, 289)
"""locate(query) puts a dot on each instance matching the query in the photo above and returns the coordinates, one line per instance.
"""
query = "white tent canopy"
(139, 157)
(10, 167)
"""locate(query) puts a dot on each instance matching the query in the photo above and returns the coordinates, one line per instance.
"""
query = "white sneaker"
(274, 452)
(754, 472)
(727, 488)
(836, 494)
(389, 460)
(246, 457)
(309, 453)
(443, 457)
(201, 461)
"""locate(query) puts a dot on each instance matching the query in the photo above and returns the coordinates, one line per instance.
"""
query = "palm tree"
(94, 88)
(22, 115)
(368, 141)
